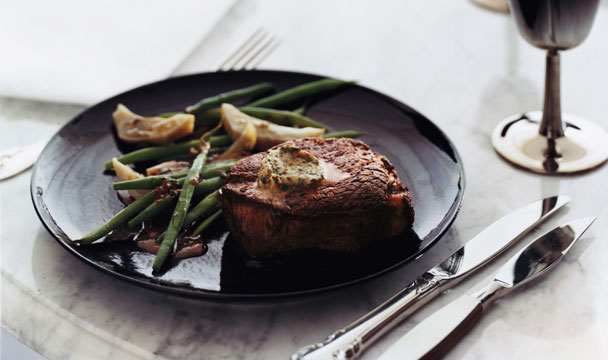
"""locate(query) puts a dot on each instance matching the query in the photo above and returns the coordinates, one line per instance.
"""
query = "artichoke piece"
(268, 134)
(245, 142)
(123, 173)
(158, 130)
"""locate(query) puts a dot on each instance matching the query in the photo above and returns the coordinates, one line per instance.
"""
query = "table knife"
(351, 341)
(435, 335)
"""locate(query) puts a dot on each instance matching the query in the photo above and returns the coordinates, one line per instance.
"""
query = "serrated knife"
(438, 333)
(351, 341)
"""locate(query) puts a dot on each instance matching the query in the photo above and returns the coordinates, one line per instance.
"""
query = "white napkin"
(85, 51)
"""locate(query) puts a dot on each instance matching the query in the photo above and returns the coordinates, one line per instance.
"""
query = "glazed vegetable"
(167, 167)
(128, 212)
(205, 224)
(165, 203)
(268, 134)
(215, 101)
(155, 152)
(245, 143)
(208, 185)
(182, 157)
(188, 156)
(135, 128)
(201, 208)
(150, 182)
(137, 206)
(276, 116)
(125, 173)
(279, 117)
(183, 203)
(152, 210)
(300, 92)
(345, 134)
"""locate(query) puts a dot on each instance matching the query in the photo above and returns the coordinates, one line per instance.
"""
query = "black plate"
(72, 195)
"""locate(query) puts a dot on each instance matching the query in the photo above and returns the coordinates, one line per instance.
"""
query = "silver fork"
(247, 56)
(252, 52)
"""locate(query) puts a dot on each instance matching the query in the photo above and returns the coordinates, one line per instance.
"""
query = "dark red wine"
(554, 24)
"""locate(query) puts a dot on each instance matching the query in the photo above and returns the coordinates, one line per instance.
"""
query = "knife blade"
(350, 341)
(438, 333)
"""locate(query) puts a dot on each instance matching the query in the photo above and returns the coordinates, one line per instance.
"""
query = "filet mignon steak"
(367, 203)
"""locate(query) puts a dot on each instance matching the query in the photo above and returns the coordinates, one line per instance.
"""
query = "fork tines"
(252, 52)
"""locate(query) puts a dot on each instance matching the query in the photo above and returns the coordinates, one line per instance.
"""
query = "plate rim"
(202, 294)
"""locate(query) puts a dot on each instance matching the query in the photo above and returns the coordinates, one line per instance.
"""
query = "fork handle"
(350, 341)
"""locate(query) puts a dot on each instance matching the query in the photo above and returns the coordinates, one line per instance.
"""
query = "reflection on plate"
(72, 196)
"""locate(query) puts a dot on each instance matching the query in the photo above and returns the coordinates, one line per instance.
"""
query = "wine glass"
(550, 142)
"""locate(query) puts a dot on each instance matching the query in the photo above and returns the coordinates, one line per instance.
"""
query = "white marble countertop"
(463, 67)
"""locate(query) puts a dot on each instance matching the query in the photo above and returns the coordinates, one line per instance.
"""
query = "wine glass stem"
(551, 124)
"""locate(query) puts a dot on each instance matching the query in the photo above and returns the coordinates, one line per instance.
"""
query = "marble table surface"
(462, 66)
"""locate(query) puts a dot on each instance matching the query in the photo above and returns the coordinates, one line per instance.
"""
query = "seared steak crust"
(368, 202)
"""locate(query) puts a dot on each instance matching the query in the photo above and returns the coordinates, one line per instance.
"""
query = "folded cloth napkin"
(84, 51)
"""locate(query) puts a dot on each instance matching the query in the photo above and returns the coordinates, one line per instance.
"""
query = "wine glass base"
(584, 146)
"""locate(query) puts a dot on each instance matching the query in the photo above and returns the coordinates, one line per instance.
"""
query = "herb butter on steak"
(359, 199)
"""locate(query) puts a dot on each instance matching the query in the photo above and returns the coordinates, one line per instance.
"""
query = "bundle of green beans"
(299, 92)
(150, 182)
(164, 204)
(179, 214)
(215, 101)
(261, 108)
(142, 206)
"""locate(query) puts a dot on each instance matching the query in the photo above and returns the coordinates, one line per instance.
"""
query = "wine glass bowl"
(550, 142)
(558, 25)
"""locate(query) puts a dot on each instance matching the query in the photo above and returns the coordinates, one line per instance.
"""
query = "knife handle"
(438, 333)
(349, 342)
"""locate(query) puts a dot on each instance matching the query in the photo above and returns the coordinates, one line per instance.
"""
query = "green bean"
(150, 182)
(152, 210)
(125, 214)
(161, 206)
(299, 92)
(183, 203)
(155, 152)
(176, 157)
(214, 169)
(345, 133)
(201, 208)
(205, 224)
(220, 140)
(280, 117)
(215, 101)
(188, 156)
(208, 185)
